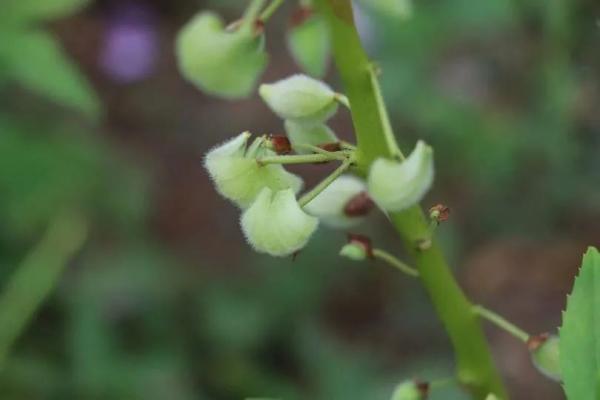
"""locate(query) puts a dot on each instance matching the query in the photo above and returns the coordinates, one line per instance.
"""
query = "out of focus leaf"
(309, 45)
(22, 12)
(36, 277)
(37, 62)
(580, 333)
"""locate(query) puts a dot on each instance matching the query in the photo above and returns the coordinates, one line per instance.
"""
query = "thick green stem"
(475, 368)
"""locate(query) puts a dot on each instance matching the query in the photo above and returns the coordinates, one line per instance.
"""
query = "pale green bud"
(545, 354)
(396, 186)
(330, 205)
(492, 396)
(411, 390)
(220, 62)
(239, 177)
(275, 224)
(300, 98)
(305, 133)
(308, 41)
(354, 251)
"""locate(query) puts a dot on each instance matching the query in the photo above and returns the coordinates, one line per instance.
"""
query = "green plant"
(278, 223)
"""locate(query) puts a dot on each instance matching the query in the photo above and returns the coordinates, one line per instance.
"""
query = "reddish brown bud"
(422, 387)
(363, 241)
(335, 146)
(440, 212)
(280, 144)
(300, 15)
(359, 206)
(536, 341)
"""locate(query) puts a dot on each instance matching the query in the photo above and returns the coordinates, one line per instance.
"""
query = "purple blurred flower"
(130, 44)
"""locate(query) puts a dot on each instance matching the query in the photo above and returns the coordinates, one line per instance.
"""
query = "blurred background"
(155, 294)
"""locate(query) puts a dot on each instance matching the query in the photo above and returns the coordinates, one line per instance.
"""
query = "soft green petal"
(310, 46)
(396, 186)
(221, 63)
(329, 205)
(300, 98)
(313, 134)
(275, 224)
(240, 178)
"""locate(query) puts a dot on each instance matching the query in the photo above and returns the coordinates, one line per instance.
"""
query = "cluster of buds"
(274, 220)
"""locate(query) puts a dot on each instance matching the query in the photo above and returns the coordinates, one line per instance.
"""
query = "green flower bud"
(300, 98)
(329, 206)
(220, 62)
(411, 390)
(354, 251)
(492, 396)
(237, 175)
(275, 224)
(396, 186)
(545, 354)
(308, 41)
(303, 133)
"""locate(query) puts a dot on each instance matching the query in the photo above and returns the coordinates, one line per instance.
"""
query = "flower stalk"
(475, 368)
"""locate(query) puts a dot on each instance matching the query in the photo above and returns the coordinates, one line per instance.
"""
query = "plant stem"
(318, 150)
(308, 197)
(475, 368)
(302, 158)
(252, 14)
(34, 279)
(501, 322)
(394, 262)
(270, 10)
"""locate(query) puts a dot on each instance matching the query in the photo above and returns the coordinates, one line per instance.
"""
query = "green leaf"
(38, 63)
(21, 12)
(580, 333)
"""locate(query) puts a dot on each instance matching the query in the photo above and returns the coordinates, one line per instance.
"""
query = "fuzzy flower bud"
(330, 205)
(308, 41)
(220, 62)
(237, 175)
(313, 134)
(300, 98)
(492, 396)
(545, 354)
(396, 186)
(411, 390)
(275, 224)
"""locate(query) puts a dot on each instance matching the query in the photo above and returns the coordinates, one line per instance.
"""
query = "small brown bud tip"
(439, 212)
(300, 15)
(422, 387)
(331, 147)
(359, 206)
(363, 241)
(280, 144)
(536, 341)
